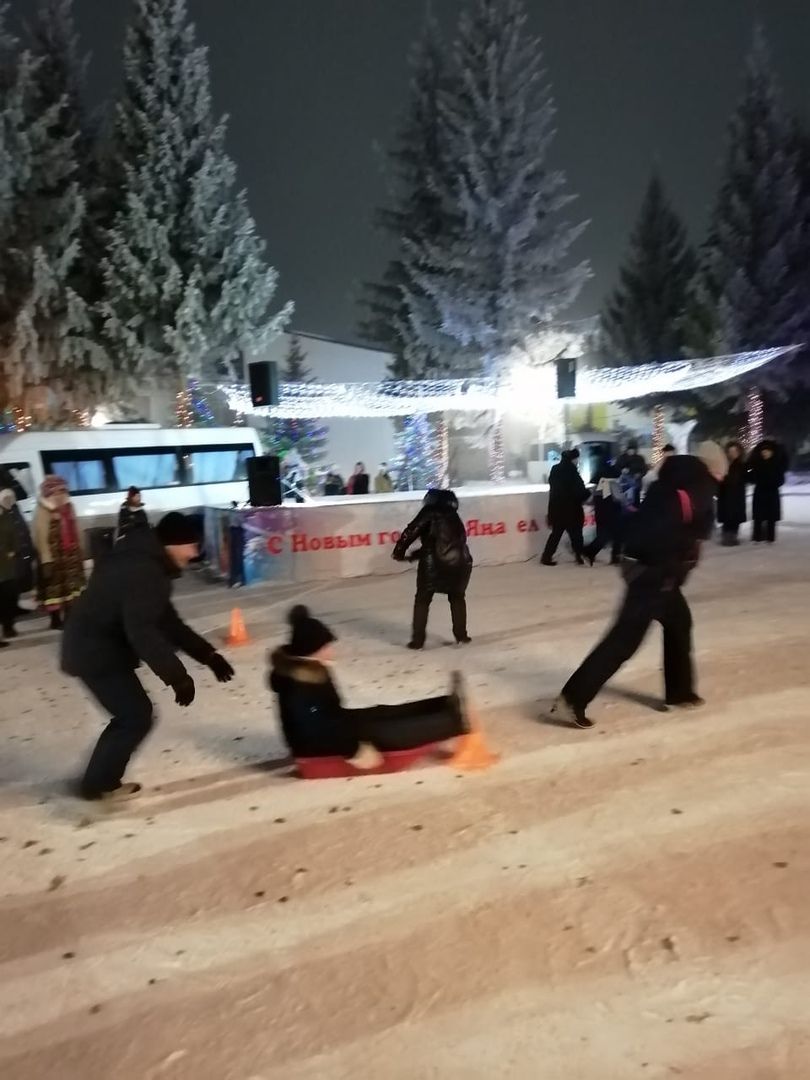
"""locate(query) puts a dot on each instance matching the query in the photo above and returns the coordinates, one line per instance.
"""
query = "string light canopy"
(524, 389)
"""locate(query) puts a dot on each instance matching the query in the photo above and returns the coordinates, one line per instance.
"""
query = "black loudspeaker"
(566, 377)
(263, 383)
(264, 481)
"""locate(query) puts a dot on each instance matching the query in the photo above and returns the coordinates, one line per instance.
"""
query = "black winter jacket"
(445, 562)
(567, 493)
(125, 616)
(767, 476)
(312, 717)
(130, 517)
(731, 495)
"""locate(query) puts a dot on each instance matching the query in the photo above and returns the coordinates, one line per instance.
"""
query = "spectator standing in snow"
(132, 514)
(383, 484)
(662, 547)
(632, 463)
(731, 496)
(59, 550)
(567, 493)
(315, 722)
(126, 617)
(445, 562)
(766, 470)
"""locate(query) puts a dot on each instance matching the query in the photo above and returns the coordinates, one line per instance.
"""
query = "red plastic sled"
(331, 768)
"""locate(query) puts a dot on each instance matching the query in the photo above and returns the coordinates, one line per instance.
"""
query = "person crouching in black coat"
(662, 547)
(766, 471)
(567, 493)
(445, 562)
(124, 617)
(315, 723)
(731, 495)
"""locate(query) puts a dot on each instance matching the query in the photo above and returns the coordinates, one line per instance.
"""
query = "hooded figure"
(767, 466)
(126, 617)
(445, 562)
(731, 508)
(59, 550)
(567, 493)
(662, 546)
(315, 722)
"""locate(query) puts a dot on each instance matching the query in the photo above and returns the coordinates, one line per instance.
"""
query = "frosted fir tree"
(643, 318)
(417, 463)
(308, 437)
(47, 335)
(416, 214)
(752, 288)
(501, 273)
(187, 290)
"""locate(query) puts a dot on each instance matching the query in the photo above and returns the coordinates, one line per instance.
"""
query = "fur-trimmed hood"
(298, 668)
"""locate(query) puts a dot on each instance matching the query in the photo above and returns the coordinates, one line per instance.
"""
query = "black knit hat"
(309, 635)
(177, 530)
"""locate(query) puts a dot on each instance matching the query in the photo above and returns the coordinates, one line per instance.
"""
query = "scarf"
(68, 532)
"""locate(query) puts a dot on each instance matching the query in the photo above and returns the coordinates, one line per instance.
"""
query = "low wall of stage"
(353, 536)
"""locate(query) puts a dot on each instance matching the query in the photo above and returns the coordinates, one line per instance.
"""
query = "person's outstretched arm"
(412, 532)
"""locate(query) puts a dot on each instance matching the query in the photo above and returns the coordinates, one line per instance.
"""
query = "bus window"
(17, 475)
(152, 469)
(82, 477)
(218, 466)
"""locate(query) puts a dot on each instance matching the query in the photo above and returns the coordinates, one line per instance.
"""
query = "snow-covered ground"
(625, 902)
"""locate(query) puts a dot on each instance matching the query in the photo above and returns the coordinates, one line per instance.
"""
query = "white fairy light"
(527, 390)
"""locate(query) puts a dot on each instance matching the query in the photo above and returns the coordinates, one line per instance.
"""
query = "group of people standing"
(618, 488)
(359, 483)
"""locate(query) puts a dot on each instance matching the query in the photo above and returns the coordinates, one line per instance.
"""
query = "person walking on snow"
(445, 562)
(59, 550)
(567, 493)
(662, 548)
(126, 617)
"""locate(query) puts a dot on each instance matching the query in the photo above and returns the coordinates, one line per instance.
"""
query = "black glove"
(221, 668)
(184, 692)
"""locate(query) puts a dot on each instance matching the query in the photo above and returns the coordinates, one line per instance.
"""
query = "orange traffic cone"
(472, 752)
(238, 634)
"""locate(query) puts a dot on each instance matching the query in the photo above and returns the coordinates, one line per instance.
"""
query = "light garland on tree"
(525, 389)
(755, 410)
(184, 408)
(200, 409)
(497, 469)
(658, 433)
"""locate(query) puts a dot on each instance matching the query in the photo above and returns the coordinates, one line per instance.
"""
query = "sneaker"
(548, 562)
(562, 709)
(693, 701)
(415, 646)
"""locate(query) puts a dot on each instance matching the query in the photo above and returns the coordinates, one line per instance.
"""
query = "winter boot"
(56, 620)
(562, 709)
(691, 701)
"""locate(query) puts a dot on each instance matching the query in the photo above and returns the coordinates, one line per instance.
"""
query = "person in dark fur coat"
(766, 471)
(566, 496)
(662, 547)
(731, 493)
(314, 721)
(445, 562)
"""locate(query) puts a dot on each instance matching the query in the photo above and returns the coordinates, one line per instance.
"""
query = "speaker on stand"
(264, 481)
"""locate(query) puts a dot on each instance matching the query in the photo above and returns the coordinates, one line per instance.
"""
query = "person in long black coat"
(567, 493)
(132, 514)
(767, 466)
(445, 562)
(731, 495)
(315, 722)
(125, 616)
(661, 548)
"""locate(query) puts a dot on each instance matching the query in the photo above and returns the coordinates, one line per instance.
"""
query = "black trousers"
(604, 537)
(121, 694)
(406, 726)
(647, 599)
(421, 609)
(764, 530)
(574, 531)
(9, 599)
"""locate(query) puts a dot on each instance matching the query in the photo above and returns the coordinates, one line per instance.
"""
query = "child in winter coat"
(445, 562)
(59, 551)
(315, 722)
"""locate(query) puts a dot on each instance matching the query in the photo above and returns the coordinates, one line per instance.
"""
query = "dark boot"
(56, 620)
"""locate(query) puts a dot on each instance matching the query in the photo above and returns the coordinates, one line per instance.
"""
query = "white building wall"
(350, 440)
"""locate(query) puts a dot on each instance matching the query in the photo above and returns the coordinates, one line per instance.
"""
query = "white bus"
(175, 468)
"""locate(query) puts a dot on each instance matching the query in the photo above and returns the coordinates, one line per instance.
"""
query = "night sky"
(312, 85)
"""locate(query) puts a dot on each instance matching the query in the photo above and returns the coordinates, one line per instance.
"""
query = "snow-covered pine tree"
(187, 287)
(642, 320)
(416, 214)
(417, 462)
(308, 437)
(48, 344)
(752, 287)
(500, 274)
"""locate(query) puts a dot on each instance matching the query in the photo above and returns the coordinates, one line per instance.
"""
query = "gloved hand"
(184, 692)
(221, 668)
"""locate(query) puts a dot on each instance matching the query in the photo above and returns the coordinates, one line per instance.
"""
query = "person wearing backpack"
(445, 562)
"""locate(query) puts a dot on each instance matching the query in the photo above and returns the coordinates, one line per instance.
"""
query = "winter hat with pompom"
(309, 635)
